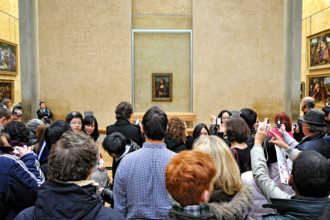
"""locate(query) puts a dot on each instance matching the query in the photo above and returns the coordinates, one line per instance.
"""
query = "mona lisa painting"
(162, 87)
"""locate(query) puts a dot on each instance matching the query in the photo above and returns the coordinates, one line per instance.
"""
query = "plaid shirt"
(139, 188)
(194, 210)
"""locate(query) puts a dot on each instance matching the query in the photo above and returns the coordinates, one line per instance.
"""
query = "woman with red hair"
(285, 120)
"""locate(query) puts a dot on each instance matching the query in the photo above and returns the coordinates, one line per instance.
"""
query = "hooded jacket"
(60, 200)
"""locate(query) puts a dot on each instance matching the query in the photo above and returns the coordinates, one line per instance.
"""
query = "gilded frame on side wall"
(318, 50)
(7, 89)
(162, 87)
(8, 58)
(318, 87)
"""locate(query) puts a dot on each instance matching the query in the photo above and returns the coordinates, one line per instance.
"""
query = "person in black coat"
(123, 112)
(44, 113)
(176, 135)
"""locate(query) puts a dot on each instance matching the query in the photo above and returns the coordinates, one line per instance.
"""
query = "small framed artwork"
(318, 87)
(319, 49)
(8, 59)
(6, 89)
(162, 87)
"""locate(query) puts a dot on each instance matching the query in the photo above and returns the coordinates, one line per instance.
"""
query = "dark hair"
(72, 157)
(270, 150)
(54, 131)
(222, 112)
(5, 113)
(249, 116)
(311, 174)
(17, 131)
(41, 103)
(124, 110)
(198, 129)
(237, 130)
(73, 115)
(326, 110)
(89, 119)
(40, 137)
(154, 123)
(115, 143)
(285, 120)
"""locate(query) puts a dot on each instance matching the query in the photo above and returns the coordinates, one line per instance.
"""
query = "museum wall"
(316, 16)
(9, 31)
(85, 54)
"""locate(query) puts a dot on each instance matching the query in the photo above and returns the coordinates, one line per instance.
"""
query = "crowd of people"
(232, 169)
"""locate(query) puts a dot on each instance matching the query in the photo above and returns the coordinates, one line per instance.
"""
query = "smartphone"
(294, 127)
(278, 123)
(218, 121)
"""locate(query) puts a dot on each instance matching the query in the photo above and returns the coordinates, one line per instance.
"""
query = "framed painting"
(7, 89)
(162, 87)
(318, 87)
(319, 49)
(8, 55)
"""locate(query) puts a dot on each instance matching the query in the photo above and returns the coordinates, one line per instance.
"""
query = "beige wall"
(85, 53)
(85, 56)
(316, 16)
(9, 31)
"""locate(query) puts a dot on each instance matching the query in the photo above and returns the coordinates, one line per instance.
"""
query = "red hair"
(188, 175)
(285, 119)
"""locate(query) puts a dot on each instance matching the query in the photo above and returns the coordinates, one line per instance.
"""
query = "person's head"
(34, 124)
(75, 120)
(72, 158)
(314, 123)
(7, 102)
(326, 111)
(190, 176)
(114, 144)
(200, 130)
(224, 115)
(124, 110)
(18, 132)
(54, 131)
(4, 139)
(285, 120)
(256, 125)
(307, 103)
(161, 81)
(310, 175)
(90, 127)
(5, 116)
(40, 133)
(17, 113)
(154, 124)
(249, 116)
(237, 130)
(176, 129)
(42, 105)
(228, 176)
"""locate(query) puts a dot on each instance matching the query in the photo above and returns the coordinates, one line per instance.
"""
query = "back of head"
(176, 129)
(72, 157)
(124, 110)
(188, 175)
(33, 124)
(115, 143)
(18, 132)
(88, 120)
(326, 110)
(198, 129)
(54, 131)
(311, 174)
(237, 130)
(285, 120)
(154, 123)
(315, 121)
(72, 115)
(308, 102)
(249, 116)
(5, 113)
(228, 176)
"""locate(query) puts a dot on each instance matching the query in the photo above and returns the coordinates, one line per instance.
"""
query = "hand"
(99, 191)
(277, 140)
(262, 133)
(296, 130)
(212, 119)
(101, 167)
(24, 150)
(281, 130)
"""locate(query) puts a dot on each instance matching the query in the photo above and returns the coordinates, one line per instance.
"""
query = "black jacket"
(175, 146)
(315, 142)
(41, 114)
(129, 130)
(68, 201)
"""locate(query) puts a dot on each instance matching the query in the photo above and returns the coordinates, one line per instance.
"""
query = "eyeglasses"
(75, 123)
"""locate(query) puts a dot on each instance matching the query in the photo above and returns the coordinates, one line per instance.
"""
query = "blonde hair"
(228, 175)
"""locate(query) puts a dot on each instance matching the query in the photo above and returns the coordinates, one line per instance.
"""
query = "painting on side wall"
(162, 87)
(6, 89)
(8, 58)
(319, 87)
(319, 49)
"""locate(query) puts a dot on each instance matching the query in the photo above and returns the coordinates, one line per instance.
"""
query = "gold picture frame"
(8, 58)
(318, 46)
(318, 87)
(6, 89)
(162, 87)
